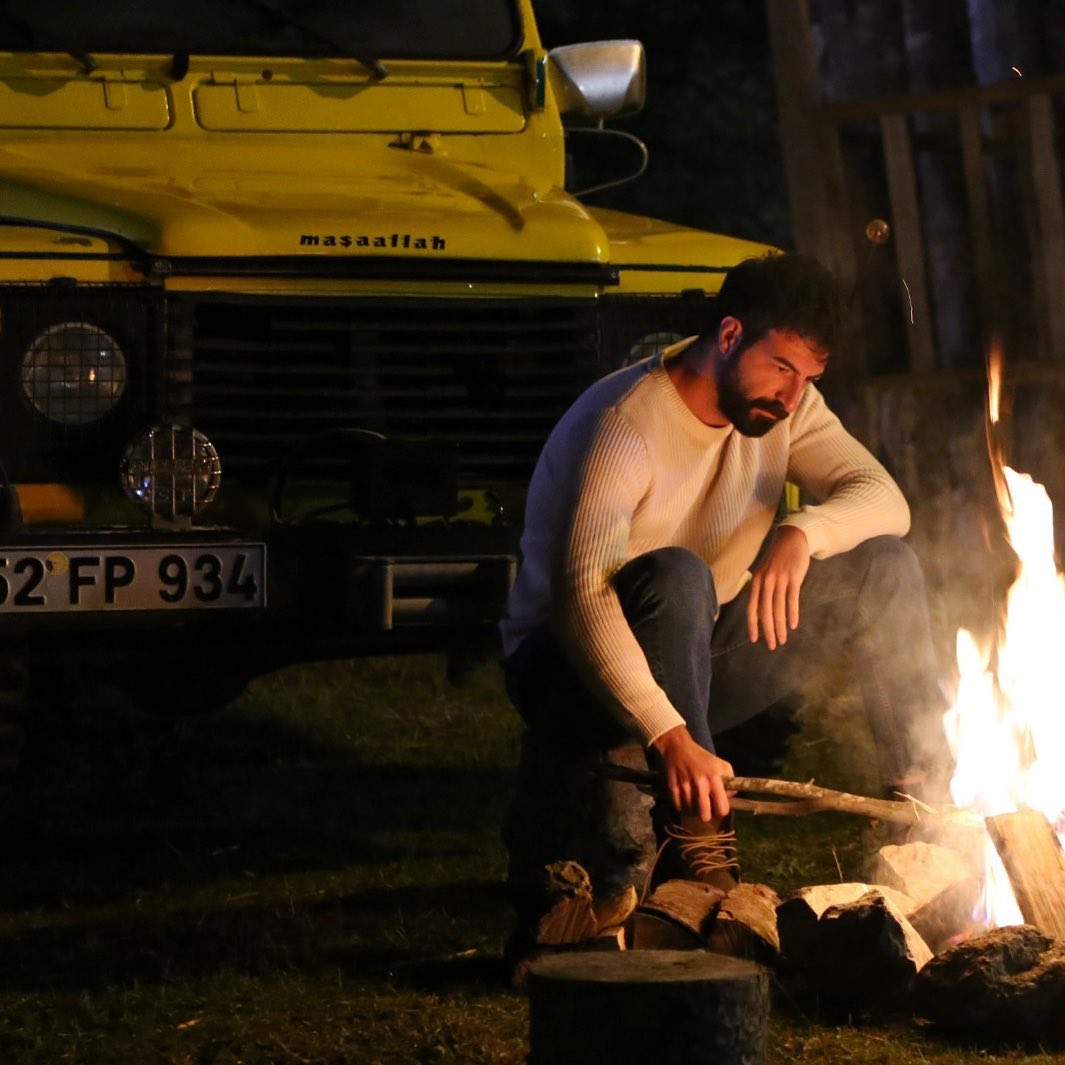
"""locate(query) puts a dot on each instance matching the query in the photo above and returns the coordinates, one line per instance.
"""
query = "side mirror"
(598, 80)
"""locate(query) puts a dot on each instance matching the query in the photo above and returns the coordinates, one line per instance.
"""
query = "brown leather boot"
(700, 850)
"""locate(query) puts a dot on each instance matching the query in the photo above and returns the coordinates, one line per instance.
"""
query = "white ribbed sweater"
(630, 468)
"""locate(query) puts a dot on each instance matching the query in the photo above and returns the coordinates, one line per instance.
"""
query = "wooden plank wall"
(1049, 247)
(1002, 141)
(909, 244)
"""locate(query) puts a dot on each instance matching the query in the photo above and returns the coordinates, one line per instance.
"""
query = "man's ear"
(729, 334)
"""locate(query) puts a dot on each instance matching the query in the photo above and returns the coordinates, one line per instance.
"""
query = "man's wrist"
(785, 528)
(671, 738)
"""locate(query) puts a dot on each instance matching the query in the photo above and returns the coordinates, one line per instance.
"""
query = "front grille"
(633, 327)
(263, 377)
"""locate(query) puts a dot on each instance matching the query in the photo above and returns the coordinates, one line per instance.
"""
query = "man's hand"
(694, 776)
(774, 599)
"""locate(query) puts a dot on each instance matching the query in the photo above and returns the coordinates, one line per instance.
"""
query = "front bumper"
(331, 590)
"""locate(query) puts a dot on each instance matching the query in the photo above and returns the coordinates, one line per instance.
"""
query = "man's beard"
(751, 417)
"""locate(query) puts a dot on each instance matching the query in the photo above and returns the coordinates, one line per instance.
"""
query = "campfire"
(964, 927)
(1005, 728)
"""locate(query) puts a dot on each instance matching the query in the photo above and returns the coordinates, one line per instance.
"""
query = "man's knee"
(890, 563)
(670, 580)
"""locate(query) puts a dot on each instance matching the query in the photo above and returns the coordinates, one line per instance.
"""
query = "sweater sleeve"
(857, 497)
(587, 614)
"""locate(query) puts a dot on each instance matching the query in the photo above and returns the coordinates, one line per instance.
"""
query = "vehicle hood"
(278, 199)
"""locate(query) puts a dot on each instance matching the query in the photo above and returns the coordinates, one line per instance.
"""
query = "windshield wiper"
(376, 68)
(34, 35)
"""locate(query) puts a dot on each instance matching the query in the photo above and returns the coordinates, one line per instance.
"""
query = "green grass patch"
(316, 875)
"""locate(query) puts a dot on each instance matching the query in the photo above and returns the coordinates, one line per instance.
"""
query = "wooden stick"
(811, 799)
(1032, 855)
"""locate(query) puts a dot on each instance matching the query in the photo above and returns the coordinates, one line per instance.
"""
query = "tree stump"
(636, 1007)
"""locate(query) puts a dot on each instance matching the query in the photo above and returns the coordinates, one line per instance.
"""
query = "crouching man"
(657, 597)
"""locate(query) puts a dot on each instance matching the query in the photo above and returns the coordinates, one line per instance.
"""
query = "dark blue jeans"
(866, 607)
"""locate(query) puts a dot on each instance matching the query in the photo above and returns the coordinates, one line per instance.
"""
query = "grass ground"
(315, 875)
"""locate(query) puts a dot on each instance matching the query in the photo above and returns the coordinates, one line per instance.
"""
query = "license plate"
(189, 577)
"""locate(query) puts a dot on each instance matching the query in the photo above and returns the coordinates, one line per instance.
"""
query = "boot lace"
(705, 853)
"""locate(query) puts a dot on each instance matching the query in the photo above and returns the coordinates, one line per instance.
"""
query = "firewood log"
(864, 955)
(689, 903)
(745, 924)
(1033, 858)
(798, 914)
(941, 882)
(677, 916)
(651, 931)
(921, 870)
(615, 911)
(570, 920)
(609, 939)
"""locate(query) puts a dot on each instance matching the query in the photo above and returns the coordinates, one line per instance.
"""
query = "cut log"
(609, 939)
(798, 914)
(1032, 855)
(564, 905)
(1004, 987)
(568, 921)
(921, 870)
(745, 925)
(647, 1006)
(941, 882)
(942, 919)
(677, 916)
(864, 955)
(688, 903)
(616, 910)
(651, 931)
(556, 910)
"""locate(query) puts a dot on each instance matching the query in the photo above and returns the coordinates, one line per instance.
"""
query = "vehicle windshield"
(386, 29)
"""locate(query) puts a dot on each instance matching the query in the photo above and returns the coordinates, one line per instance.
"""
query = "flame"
(1005, 727)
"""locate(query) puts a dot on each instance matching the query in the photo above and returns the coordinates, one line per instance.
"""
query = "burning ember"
(1005, 726)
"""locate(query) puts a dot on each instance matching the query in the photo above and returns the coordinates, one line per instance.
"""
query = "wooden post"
(906, 216)
(1032, 855)
(643, 1006)
(1049, 242)
(813, 163)
(972, 158)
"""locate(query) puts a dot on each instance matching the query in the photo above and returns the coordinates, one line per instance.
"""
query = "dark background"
(710, 118)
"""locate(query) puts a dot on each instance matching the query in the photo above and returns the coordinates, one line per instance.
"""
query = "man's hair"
(790, 292)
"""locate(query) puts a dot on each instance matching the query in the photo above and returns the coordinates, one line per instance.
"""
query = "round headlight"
(74, 373)
(173, 471)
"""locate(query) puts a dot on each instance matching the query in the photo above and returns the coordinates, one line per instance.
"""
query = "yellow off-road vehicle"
(290, 295)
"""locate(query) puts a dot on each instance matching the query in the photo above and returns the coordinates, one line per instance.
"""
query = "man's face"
(761, 384)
